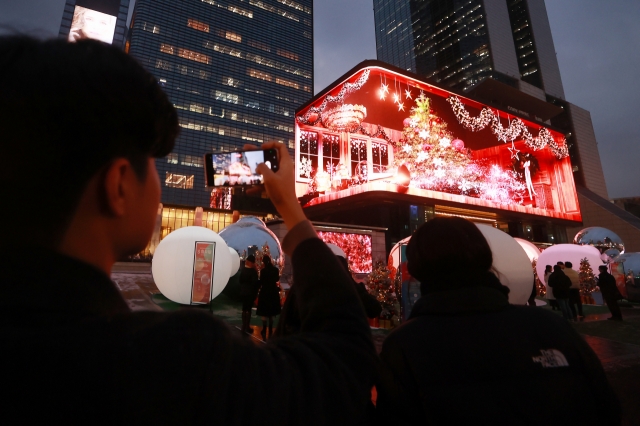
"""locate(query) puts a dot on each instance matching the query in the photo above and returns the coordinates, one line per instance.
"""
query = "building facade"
(501, 53)
(235, 70)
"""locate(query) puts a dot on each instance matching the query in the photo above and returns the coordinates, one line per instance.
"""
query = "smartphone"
(239, 167)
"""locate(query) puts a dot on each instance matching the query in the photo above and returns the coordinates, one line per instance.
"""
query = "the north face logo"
(551, 358)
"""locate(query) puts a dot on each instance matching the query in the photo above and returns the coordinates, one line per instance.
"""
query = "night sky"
(596, 42)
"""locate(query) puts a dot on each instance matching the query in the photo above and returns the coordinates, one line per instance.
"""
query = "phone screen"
(238, 168)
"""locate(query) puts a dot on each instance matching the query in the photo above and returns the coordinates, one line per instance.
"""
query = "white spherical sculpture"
(511, 263)
(568, 253)
(532, 251)
(235, 261)
(191, 265)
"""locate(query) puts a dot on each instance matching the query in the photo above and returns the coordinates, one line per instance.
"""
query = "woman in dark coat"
(468, 357)
(269, 296)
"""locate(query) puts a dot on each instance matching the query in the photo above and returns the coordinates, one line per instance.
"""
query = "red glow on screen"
(452, 148)
(357, 247)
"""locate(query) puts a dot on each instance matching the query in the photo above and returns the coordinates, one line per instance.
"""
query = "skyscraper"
(500, 52)
(235, 69)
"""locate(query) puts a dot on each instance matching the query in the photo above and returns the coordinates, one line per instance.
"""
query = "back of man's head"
(602, 268)
(66, 111)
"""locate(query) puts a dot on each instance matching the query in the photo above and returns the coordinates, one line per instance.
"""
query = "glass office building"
(236, 70)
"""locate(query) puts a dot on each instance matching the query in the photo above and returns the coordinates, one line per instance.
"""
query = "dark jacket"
(467, 357)
(607, 284)
(372, 307)
(248, 283)
(269, 295)
(560, 283)
(73, 353)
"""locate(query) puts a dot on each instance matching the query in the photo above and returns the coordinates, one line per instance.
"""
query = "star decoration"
(438, 162)
(424, 134)
(396, 98)
(400, 106)
(407, 148)
(382, 94)
(407, 94)
(514, 151)
(384, 88)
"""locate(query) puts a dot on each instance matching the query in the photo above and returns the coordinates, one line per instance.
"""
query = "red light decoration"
(357, 247)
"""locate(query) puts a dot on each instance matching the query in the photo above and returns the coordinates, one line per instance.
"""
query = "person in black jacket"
(81, 126)
(248, 291)
(268, 296)
(466, 356)
(610, 292)
(560, 285)
(372, 307)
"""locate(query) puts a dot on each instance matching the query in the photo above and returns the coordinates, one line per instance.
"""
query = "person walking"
(560, 285)
(269, 296)
(248, 291)
(574, 291)
(466, 356)
(610, 292)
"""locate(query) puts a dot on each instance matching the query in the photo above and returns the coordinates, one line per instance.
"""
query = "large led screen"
(382, 131)
(88, 23)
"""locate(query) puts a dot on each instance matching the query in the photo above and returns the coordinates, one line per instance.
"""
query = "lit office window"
(197, 25)
(174, 180)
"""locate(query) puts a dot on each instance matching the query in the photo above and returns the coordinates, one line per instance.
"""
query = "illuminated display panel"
(88, 23)
(357, 247)
(382, 131)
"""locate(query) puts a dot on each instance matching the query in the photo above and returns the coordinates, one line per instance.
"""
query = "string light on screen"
(515, 129)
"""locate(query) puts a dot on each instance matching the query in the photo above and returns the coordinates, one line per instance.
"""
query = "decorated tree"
(435, 158)
(541, 289)
(438, 161)
(587, 278)
(380, 285)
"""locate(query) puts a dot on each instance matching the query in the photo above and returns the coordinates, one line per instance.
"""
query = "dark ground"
(617, 344)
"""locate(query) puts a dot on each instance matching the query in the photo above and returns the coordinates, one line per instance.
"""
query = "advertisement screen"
(357, 248)
(202, 272)
(380, 130)
(88, 23)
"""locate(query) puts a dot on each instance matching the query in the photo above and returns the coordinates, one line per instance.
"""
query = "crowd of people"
(564, 283)
(85, 121)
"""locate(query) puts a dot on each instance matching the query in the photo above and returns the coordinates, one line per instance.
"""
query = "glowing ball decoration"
(511, 262)
(568, 253)
(235, 261)
(176, 264)
(532, 251)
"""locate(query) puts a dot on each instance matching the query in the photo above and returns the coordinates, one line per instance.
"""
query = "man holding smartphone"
(81, 125)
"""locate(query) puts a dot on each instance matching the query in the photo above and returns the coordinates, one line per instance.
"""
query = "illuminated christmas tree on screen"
(438, 161)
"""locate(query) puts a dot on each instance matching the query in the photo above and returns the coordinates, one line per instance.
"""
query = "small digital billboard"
(89, 23)
(382, 130)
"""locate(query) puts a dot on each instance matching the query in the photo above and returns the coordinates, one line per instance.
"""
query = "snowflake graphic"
(422, 156)
(305, 167)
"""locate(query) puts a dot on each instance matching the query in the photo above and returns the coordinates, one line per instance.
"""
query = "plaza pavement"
(617, 344)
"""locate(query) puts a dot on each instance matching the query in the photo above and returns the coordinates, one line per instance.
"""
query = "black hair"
(266, 260)
(547, 268)
(603, 268)
(560, 263)
(66, 111)
(451, 252)
(568, 265)
(557, 268)
(251, 258)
